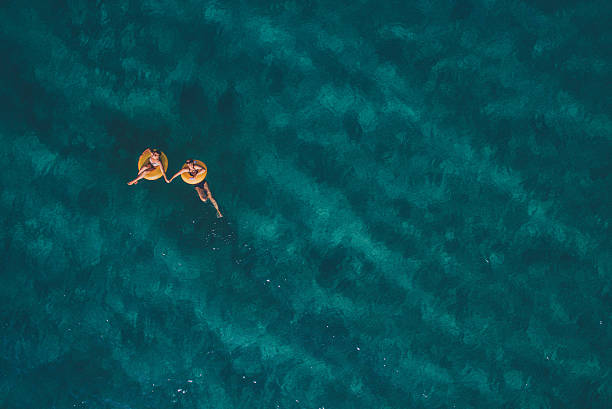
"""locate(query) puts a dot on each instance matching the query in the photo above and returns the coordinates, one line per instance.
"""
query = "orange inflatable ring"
(194, 181)
(156, 173)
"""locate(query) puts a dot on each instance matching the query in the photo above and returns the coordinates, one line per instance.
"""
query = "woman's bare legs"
(204, 194)
(201, 193)
(141, 174)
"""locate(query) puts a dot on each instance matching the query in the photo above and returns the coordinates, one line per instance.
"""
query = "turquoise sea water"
(417, 200)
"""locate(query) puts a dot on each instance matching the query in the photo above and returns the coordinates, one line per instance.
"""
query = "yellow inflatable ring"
(194, 181)
(155, 174)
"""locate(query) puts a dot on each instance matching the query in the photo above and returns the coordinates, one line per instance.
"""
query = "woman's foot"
(219, 215)
(133, 182)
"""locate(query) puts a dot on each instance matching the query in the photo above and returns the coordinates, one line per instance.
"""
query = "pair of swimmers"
(153, 167)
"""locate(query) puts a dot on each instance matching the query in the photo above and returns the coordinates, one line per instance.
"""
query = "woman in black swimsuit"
(201, 188)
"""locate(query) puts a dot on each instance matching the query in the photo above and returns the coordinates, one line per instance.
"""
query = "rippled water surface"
(417, 200)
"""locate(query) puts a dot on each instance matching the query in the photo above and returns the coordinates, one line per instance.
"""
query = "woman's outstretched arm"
(161, 167)
(178, 173)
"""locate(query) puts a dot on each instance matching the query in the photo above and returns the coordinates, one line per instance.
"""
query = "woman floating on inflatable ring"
(194, 173)
(152, 165)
